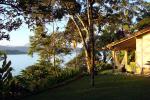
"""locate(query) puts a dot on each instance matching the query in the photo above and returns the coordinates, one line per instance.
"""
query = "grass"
(107, 87)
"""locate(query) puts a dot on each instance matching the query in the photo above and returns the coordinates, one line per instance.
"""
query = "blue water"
(21, 61)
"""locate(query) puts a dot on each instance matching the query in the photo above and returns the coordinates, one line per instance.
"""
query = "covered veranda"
(139, 45)
(125, 45)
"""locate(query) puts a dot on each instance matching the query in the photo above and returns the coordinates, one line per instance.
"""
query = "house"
(139, 44)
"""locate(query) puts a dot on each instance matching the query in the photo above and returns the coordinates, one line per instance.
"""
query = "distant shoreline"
(16, 53)
(13, 52)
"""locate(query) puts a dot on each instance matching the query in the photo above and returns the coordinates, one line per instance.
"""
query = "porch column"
(113, 59)
(126, 57)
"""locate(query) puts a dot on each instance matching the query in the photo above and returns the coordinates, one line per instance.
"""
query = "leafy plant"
(103, 66)
(143, 23)
(38, 77)
(133, 67)
(5, 77)
(48, 45)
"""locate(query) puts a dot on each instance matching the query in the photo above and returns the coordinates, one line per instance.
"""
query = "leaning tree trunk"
(89, 42)
(88, 59)
(86, 44)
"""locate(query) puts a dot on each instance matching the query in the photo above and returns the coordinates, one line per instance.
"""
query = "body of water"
(21, 61)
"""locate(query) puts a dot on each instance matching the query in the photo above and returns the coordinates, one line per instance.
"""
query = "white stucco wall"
(143, 50)
(146, 50)
(139, 52)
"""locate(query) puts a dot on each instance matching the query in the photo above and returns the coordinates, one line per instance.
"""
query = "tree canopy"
(86, 19)
(48, 45)
(9, 17)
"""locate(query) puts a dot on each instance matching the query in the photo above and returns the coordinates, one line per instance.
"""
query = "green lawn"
(108, 87)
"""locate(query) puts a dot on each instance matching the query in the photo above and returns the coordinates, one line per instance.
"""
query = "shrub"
(143, 23)
(103, 66)
(133, 67)
(37, 78)
(5, 78)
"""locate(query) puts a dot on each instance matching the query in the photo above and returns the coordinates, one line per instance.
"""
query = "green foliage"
(74, 36)
(144, 19)
(108, 87)
(48, 46)
(36, 78)
(78, 62)
(143, 23)
(5, 77)
(105, 39)
(84, 15)
(103, 66)
(10, 17)
(133, 67)
(1, 55)
(120, 56)
(131, 56)
(108, 35)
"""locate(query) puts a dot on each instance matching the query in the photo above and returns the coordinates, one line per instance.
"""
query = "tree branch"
(80, 32)
(82, 23)
(14, 6)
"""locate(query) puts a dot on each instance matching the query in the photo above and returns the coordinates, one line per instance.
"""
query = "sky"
(20, 37)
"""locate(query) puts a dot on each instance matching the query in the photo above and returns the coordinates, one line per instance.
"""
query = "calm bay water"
(21, 61)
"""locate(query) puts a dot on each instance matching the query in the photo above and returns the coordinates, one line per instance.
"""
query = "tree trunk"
(54, 47)
(91, 43)
(88, 60)
(104, 56)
